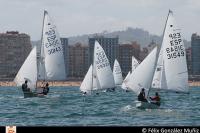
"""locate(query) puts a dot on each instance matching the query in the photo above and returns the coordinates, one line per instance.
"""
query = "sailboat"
(87, 85)
(102, 76)
(134, 64)
(171, 73)
(28, 71)
(102, 69)
(51, 63)
(117, 73)
(171, 70)
(138, 81)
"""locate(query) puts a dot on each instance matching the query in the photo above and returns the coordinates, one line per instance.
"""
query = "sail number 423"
(176, 48)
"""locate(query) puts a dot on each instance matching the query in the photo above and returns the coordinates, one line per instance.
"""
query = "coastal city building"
(151, 46)
(110, 46)
(146, 50)
(126, 51)
(189, 60)
(78, 60)
(64, 42)
(195, 45)
(14, 48)
(143, 53)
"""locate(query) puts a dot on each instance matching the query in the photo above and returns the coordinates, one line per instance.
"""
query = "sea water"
(66, 106)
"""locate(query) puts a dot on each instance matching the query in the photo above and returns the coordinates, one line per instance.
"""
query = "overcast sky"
(77, 17)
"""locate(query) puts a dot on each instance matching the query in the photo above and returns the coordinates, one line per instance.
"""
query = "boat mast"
(93, 66)
(45, 13)
(158, 53)
(41, 48)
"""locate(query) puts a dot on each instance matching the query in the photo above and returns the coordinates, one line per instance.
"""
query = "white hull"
(146, 105)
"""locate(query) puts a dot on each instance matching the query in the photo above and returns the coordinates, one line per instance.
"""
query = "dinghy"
(102, 76)
(87, 85)
(170, 73)
(138, 81)
(117, 73)
(51, 62)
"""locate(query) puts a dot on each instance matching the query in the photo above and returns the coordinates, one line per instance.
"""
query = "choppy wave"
(66, 106)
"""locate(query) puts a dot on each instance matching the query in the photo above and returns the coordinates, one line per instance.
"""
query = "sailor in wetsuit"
(156, 99)
(46, 89)
(25, 87)
(141, 96)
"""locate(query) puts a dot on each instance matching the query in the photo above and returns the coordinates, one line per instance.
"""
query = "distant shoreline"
(51, 83)
(74, 83)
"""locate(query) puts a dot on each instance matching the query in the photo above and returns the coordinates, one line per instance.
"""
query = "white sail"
(117, 73)
(125, 81)
(159, 80)
(135, 63)
(142, 76)
(102, 67)
(95, 80)
(28, 71)
(86, 85)
(53, 51)
(174, 56)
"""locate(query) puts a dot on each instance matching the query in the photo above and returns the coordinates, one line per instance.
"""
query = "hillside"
(125, 36)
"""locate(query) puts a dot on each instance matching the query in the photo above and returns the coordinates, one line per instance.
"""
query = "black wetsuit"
(27, 92)
(141, 97)
(25, 88)
(46, 90)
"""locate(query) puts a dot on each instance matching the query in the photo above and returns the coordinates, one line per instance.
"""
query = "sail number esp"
(176, 48)
(52, 43)
(101, 60)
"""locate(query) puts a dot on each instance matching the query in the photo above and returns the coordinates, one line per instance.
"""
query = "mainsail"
(174, 56)
(52, 65)
(144, 80)
(102, 68)
(117, 73)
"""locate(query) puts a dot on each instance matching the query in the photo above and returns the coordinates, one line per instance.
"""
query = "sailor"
(84, 93)
(25, 87)
(141, 96)
(127, 90)
(46, 89)
(110, 89)
(156, 99)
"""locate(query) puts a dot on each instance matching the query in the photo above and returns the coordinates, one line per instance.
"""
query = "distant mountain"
(126, 36)
(143, 37)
